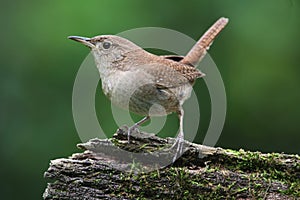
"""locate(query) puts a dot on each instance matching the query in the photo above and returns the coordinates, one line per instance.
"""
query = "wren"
(147, 84)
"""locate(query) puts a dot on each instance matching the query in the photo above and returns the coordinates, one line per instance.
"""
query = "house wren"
(144, 83)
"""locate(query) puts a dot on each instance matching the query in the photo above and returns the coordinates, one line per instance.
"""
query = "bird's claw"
(180, 147)
(130, 130)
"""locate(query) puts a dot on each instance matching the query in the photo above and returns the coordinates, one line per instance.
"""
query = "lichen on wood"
(97, 173)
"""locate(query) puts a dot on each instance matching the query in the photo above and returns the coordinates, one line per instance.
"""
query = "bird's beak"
(86, 41)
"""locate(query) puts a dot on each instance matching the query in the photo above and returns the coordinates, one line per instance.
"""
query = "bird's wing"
(164, 76)
(164, 71)
(189, 71)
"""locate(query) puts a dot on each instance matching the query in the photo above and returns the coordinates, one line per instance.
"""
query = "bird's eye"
(106, 45)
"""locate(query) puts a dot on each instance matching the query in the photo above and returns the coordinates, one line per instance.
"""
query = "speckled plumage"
(136, 79)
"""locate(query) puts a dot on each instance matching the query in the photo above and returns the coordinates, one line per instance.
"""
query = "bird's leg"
(135, 126)
(180, 137)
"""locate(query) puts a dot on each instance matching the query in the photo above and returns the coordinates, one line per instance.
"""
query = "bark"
(105, 170)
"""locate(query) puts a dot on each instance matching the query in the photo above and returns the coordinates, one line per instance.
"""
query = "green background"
(257, 55)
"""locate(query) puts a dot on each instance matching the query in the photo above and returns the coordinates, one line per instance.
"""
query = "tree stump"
(200, 173)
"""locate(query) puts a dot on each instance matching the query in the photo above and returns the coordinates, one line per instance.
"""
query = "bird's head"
(107, 47)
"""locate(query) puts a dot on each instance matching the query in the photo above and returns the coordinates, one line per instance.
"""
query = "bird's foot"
(135, 126)
(180, 147)
(130, 130)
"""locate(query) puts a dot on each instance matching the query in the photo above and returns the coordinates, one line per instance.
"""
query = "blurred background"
(257, 55)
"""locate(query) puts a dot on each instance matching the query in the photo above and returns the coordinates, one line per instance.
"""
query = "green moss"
(269, 167)
(227, 175)
(256, 171)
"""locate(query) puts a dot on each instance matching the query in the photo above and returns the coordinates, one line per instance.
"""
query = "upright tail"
(198, 51)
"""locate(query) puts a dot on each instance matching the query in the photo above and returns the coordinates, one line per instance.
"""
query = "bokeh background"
(257, 55)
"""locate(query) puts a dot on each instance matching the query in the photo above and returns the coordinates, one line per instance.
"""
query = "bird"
(145, 83)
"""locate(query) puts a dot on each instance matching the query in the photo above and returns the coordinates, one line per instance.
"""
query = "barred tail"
(198, 51)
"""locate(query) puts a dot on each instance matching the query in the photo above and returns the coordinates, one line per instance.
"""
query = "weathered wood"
(99, 173)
